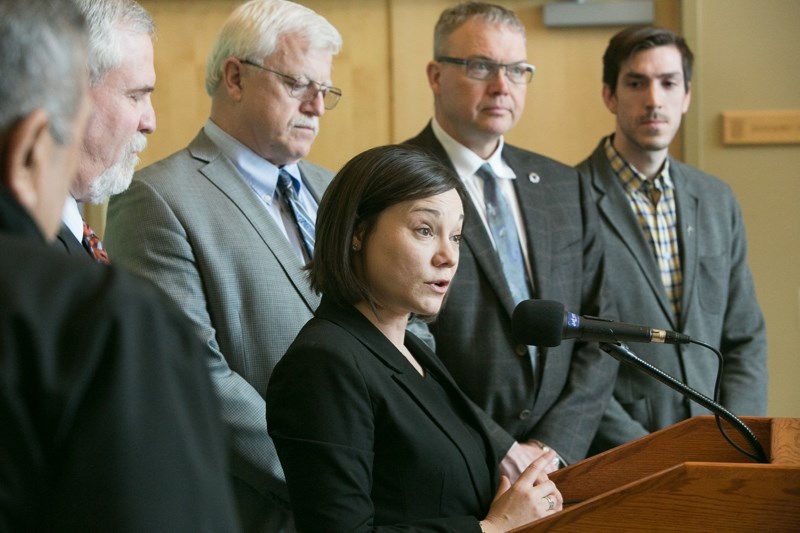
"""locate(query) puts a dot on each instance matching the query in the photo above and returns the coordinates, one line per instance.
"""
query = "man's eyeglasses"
(482, 69)
(305, 91)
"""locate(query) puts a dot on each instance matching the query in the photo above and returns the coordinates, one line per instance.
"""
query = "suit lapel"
(316, 181)
(479, 243)
(475, 234)
(623, 222)
(409, 381)
(441, 413)
(534, 209)
(687, 205)
(224, 175)
(72, 245)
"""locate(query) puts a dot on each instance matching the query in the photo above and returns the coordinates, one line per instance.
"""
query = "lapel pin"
(533, 177)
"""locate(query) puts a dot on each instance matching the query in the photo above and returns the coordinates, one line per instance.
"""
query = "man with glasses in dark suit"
(530, 232)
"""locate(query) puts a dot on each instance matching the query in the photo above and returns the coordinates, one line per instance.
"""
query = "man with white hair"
(121, 80)
(225, 226)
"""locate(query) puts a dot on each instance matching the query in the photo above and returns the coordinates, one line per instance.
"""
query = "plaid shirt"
(653, 202)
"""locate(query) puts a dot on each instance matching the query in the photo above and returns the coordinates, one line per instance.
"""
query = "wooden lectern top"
(686, 477)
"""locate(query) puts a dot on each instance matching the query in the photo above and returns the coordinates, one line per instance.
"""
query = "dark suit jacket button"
(524, 414)
(521, 350)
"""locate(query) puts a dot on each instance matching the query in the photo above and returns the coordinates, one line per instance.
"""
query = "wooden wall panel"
(755, 73)
(362, 70)
(381, 69)
(185, 31)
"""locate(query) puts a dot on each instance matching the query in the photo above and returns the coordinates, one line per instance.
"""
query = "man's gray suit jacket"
(560, 403)
(718, 306)
(192, 225)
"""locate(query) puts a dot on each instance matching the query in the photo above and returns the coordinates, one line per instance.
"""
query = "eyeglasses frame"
(531, 69)
(296, 85)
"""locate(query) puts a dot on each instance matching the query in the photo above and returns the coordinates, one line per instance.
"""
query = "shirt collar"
(72, 219)
(260, 174)
(633, 180)
(467, 162)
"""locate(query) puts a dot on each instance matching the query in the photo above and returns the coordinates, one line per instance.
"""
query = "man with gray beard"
(225, 226)
(121, 79)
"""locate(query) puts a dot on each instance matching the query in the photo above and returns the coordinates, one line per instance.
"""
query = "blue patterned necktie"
(504, 231)
(304, 223)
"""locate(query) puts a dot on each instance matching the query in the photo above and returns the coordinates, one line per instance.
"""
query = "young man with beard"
(121, 80)
(676, 249)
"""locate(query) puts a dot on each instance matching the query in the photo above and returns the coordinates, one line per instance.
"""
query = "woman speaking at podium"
(370, 428)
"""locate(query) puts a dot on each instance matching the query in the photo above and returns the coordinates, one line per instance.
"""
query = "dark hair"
(368, 184)
(630, 41)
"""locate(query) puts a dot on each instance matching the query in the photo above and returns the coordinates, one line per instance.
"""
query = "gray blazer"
(191, 225)
(561, 403)
(719, 305)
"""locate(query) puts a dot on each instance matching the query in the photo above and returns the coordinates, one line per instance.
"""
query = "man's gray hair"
(253, 29)
(105, 19)
(42, 63)
(452, 18)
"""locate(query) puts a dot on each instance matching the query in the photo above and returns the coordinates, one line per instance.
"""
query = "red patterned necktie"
(92, 243)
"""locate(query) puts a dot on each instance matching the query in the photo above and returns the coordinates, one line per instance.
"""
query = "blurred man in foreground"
(108, 419)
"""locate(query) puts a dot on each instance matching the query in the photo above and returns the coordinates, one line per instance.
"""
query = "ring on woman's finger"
(551, 502)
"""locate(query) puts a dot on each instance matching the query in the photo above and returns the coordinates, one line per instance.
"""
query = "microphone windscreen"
(538, 322)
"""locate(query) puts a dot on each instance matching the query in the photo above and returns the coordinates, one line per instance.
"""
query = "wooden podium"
(686, 477)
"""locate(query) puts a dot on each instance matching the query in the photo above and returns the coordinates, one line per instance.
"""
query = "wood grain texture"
(685, 478)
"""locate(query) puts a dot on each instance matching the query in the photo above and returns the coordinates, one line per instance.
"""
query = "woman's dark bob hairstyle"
(368, 184)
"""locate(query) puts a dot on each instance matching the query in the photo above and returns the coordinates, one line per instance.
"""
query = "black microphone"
(546, 323)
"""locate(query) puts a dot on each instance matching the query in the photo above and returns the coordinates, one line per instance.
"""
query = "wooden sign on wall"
(761, 127)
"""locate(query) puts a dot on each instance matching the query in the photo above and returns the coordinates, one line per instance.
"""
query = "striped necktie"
(504, 231)
(93, 245)
(304, 223)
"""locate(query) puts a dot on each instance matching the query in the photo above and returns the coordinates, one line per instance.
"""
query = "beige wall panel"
(412, 24)
(362, 70)
(565, 116)
(185, 32)
(747, 57)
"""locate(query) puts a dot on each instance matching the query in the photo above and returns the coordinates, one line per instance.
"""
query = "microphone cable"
(622, 353)
(759, 454)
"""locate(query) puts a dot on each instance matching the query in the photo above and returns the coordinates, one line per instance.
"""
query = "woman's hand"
(532, 497)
